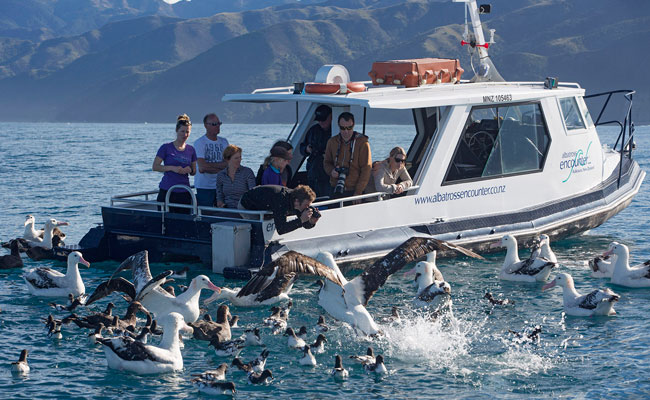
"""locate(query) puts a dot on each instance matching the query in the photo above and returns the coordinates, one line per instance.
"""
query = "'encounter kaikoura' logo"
(576, 162)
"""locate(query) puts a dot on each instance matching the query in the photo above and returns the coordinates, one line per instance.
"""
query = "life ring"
(334, 88)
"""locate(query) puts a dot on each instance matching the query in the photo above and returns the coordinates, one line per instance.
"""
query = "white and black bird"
(218, 374)
(53, 327)
(227, 348)
(260, 377)
(293, 340)
(432, 289)
(253, 337)
(623, 274)
(394, 317)
(321, 326)
(367, 358)
(318, 346)
(348, 302)
(530, 270)
(93, 337)
(497, 302)
(214, 388)
(44, 281)
(74, 302)
(307, 357)
(338, 372)
(157, 300)
(256, 365)
(181, 273)
(273, 282)
(597, 302)
(21, 366)
(278, 319)
(377, 366)
(12, 260)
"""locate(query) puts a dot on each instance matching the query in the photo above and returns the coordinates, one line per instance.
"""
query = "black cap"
(322, 112)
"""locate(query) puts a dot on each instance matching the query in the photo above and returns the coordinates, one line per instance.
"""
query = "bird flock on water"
(155, 346)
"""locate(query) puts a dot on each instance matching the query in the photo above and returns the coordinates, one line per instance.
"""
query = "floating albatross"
(43, 281)
(348, 302)
(273, 281)
(148, 291)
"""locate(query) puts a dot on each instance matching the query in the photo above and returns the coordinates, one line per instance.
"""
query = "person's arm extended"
(406, 182)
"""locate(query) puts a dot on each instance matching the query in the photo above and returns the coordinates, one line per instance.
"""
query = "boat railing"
(195, 209)
(626, 127)
(375, 195)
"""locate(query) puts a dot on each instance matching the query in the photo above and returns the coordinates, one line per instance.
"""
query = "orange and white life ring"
(334, 88)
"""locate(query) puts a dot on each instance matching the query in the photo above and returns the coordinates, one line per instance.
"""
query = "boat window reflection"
(500, 140)
(571, 112)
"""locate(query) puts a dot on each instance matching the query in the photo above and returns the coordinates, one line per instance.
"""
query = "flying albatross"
(273, 281)
(348, 302)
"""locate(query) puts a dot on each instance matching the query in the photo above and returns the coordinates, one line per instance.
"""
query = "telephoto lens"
(340, 182)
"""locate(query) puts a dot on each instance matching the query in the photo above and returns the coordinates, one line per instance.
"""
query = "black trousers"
(183, 197)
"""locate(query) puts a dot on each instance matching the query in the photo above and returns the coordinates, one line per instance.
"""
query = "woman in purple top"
(179, 161)
(280, 158)
(234, 180)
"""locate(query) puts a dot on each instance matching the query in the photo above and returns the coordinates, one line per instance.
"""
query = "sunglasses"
(346, 128)
(400, 160)
(215, 123)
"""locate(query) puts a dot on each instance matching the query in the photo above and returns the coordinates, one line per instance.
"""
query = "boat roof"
(396, 97)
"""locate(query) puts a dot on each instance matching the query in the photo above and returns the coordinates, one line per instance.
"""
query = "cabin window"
(500, 140)
(572, 115)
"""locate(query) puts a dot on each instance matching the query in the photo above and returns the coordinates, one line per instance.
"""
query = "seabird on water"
(338, 372)
(12, 260)
(293, 340)
(125, 353)
(624, 275)
(21, 366)
(43, 281)
(214, 387)
(307, 357)
(157, 300)
(218, 374)
(256, 365)
(260, 377)
(597, 302)
(321, 326)
(369, 357)
(253, 337)
(318, 346)
(377, 366)
(531, 270)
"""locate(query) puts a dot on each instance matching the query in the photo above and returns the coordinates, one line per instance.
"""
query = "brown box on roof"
(416, 72)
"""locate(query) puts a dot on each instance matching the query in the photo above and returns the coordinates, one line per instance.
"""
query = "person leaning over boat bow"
(388, 172)
(282, 202)
(348, 153)
(209, 153)
(314, 148)
(179, 160)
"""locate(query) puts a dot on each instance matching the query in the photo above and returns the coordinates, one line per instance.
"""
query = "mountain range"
(146, 60)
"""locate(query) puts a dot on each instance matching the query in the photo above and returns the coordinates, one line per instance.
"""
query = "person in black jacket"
(314, 146)
(286, 174)
(282, 202)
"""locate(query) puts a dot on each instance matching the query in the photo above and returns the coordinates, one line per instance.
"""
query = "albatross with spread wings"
(273, 281)
(147, 289)
(348, 302)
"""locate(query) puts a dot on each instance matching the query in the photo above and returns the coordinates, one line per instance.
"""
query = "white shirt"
(211, 151)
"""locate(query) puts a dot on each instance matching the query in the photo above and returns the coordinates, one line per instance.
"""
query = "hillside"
(150, 68)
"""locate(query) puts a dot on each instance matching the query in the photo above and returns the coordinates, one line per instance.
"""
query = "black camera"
(340, 182)
(314, 212)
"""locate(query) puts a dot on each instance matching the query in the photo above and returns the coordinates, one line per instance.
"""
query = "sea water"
(68, 171)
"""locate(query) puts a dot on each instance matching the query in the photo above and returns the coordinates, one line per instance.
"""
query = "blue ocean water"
(67, 171)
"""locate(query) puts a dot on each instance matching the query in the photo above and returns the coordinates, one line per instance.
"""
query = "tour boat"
(489, 158)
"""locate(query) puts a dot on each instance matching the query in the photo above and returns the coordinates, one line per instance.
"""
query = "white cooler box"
(231, 245)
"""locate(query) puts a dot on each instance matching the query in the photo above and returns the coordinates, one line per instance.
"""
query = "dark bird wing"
(593, 299)
(130, 349)
(139, 264)
(41, 278)
(153, 284)
(414, 248)
(533, 266)
(118, 284)
(274, 278)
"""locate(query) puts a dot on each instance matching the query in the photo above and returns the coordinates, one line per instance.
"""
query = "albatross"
(273, 281)
(43, 281)
(348, 302)
(154, 298)
(534, 269)
(624, 275)
(597, 302)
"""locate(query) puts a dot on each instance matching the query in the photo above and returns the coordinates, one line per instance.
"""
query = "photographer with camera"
(282, 202)
(348, 160)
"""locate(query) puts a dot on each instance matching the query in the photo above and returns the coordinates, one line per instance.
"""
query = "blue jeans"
(206, 197)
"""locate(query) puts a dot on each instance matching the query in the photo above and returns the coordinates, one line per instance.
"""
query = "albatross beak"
(84, 262)
(213, 298)
(548, 285)
(496, 244)
(410, 272)
(214, 287)
(62, 223)
(608, 253)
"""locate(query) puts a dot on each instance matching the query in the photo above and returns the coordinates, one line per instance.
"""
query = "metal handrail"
(341, 200)
(187, 188)
(626, 125)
